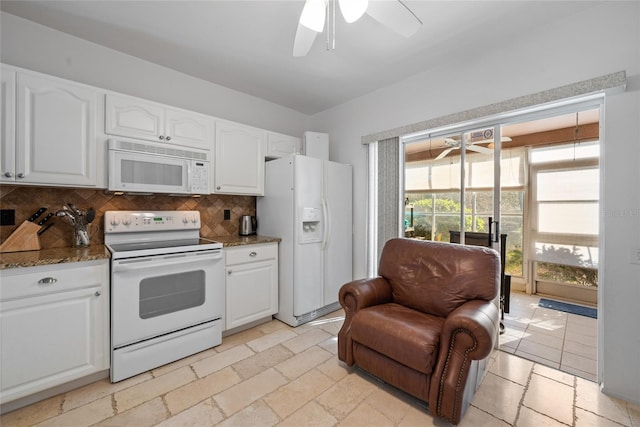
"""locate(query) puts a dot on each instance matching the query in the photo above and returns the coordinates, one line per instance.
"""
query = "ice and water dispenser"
(311, 225)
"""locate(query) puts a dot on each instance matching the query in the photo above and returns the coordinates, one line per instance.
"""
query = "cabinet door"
(239, 160)
(252, 292)
(8, 125)
(56, 134)
(134, 118)
(51, 339)
(190, 129)
(279, 145)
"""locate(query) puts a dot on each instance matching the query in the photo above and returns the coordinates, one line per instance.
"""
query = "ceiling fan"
(390, 13)
(479, 137)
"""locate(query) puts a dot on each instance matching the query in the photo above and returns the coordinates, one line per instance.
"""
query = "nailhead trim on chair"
(444, 372)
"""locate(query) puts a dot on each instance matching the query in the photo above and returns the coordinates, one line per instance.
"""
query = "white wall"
(29, 45)
(595, 42)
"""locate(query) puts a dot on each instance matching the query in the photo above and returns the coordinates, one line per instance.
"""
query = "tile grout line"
(524, 393)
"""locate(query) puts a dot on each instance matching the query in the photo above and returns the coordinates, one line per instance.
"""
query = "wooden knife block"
(24, 238)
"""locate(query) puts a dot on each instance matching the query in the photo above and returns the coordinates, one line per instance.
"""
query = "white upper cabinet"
(55, 132)
(239, 159)
(8, 125)
(279, 145)
(137, 118)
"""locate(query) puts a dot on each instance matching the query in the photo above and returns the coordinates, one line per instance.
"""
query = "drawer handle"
(253, 254)
(47, 281)
(98, 293)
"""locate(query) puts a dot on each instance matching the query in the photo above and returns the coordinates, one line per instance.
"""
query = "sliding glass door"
(452, 186)
(533, 178)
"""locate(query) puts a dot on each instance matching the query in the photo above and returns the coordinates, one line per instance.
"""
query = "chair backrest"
(474, 238)
(435, 277)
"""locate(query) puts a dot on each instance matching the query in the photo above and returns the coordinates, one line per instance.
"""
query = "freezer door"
(307, 252)
(337, 246)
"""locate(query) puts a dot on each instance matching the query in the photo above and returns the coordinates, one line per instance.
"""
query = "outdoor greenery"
(567, 274)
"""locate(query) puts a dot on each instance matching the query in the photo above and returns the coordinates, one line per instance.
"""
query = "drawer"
(251, 253)
(43, 280)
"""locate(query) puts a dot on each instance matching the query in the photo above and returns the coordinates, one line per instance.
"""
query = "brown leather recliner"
(427, 324)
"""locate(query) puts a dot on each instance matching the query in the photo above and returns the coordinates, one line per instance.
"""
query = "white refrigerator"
(307, 202)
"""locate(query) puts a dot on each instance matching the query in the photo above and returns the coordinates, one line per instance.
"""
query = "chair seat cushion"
(400, 333)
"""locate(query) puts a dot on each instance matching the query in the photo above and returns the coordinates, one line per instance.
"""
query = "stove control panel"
(140, 221)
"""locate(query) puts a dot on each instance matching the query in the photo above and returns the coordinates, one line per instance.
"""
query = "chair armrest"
(469, 333)
(355, 296)
(362, 293)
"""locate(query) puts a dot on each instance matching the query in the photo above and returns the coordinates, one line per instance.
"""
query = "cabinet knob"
(168, 138)
(229, 273)
(161, 137)
(20, 175)
(253, 254)
(98, 293)
(47, 281)
(218, 187)
(8, 174)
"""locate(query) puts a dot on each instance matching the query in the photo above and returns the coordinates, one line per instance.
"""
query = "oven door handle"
(163, 261)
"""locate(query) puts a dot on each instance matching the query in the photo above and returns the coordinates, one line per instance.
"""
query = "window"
(565, 220)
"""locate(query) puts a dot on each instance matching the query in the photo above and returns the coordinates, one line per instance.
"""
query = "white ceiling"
(247, 45)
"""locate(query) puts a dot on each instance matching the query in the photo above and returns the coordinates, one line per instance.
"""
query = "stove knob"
(194, 220)
(185, 220)
(126, 221)
(114, 221)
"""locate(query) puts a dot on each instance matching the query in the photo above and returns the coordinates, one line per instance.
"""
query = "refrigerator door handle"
(326, 223)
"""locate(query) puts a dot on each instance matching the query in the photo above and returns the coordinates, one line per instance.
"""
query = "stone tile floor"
(560, 340)
(275, 375)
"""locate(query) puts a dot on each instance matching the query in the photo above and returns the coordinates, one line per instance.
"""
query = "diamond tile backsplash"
(27, 200)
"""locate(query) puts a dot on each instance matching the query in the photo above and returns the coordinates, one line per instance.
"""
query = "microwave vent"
(153, 149)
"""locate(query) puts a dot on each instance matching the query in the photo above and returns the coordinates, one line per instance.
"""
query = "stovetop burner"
(139, 246)
(131, 234)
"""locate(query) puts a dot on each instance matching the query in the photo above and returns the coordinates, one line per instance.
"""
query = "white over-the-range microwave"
(145, 167)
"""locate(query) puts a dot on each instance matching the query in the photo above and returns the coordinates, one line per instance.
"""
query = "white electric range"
(167, 289)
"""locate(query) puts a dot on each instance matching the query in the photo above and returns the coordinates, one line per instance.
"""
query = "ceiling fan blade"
(479, 149)
(444, 153)
(485, 141)
(303, 41)
(394, 15)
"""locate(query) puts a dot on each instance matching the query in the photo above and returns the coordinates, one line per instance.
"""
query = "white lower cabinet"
(55, 326)
(251, 283)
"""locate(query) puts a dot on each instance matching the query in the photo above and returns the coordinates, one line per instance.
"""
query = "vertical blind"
(388, 191)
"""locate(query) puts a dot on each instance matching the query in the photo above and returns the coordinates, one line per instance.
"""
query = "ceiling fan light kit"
(352, 10)
(314, 14)
(390, 13)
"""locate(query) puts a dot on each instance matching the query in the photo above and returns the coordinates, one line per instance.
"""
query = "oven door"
(138, 172)
(156, 295)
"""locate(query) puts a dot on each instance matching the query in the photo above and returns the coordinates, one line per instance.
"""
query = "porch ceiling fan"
(390, 13)
(475, 138)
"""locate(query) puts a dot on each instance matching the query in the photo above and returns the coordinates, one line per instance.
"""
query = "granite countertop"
(52, 256)
(228, 241)
(62, 255)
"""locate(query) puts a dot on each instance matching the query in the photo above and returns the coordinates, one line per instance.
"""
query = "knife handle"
(46, 218)
(37, 214)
